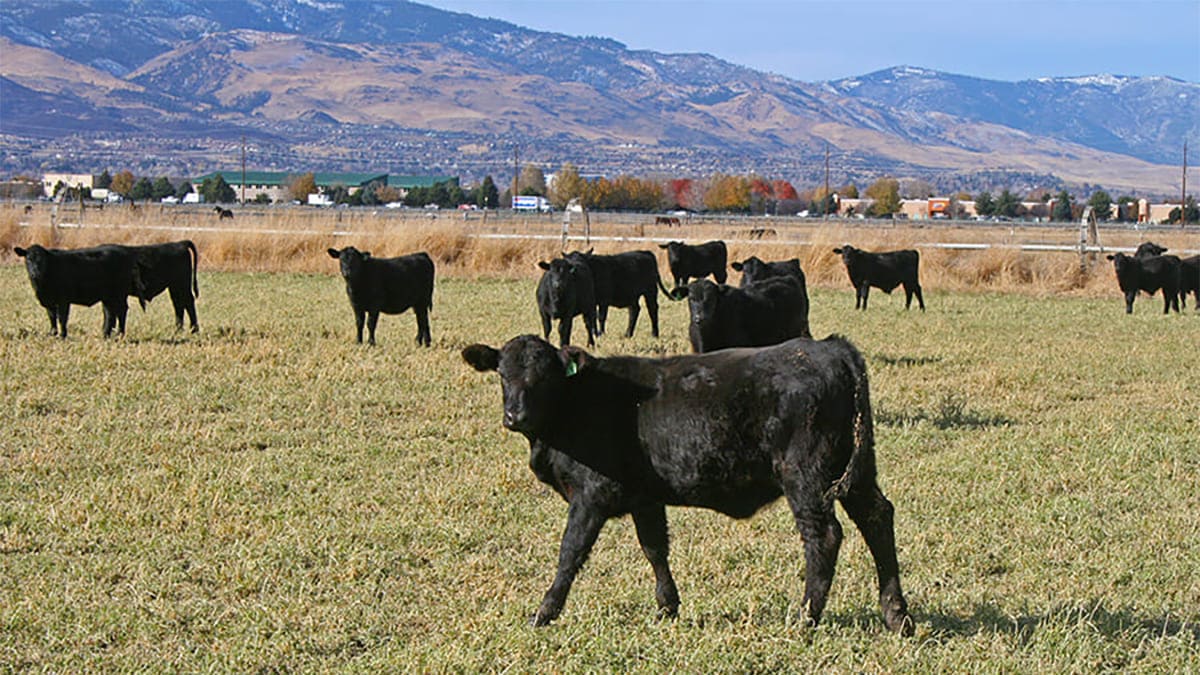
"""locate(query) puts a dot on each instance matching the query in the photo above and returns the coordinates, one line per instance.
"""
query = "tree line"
(719, 193)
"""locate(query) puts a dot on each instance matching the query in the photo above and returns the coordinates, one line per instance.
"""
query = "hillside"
(409, 88)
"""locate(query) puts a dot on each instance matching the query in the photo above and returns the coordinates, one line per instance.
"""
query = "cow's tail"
(861, 465)
(195, 264)
(669, 294)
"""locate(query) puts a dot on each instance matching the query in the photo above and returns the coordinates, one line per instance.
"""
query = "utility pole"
(1183, 195)
(825, 200)
(244, 171)
(516, 172)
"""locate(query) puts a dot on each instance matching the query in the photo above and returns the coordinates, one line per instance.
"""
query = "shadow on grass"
(905, 361)
(951, 412)
(1124, 623)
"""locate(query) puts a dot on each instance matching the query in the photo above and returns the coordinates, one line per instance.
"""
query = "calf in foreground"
(1148, 274)
(730, 431)
(884, 271)
(170, 267)
(85, 276)
(388, 285)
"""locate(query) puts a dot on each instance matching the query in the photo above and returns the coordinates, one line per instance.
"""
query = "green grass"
(270, 496)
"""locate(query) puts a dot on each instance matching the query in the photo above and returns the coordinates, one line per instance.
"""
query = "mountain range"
(175, 86)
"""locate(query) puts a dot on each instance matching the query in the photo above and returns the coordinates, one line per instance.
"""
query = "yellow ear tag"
(572, 368)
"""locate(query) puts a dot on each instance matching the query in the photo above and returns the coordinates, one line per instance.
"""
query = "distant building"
(274, 184)
(50, 180)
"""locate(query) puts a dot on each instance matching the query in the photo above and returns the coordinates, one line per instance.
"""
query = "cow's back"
(87, 276)
(393, 285)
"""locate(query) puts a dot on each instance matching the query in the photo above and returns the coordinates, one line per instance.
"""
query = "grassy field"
(269, 496)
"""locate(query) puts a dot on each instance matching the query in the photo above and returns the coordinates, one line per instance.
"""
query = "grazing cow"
(764, 313)
(84, 276)
(884, 271)
(222, 214)
(1149, 249)
(730, 431)
(621, 280)
(171, 267)
(669, 221)
(1189, 280)
(388, 285)
(1148, 274)
(695, 262)
(566, 290)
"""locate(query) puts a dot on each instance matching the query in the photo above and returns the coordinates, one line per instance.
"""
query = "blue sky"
(814, 40)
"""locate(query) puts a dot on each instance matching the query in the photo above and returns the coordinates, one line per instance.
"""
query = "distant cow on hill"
(172, 267)
(696, 262)
(387, 285)
(62, 277)
(621, 280)
(884, 271)
(1150, 274)
(730, 431)
(566, 290)
(764, 313)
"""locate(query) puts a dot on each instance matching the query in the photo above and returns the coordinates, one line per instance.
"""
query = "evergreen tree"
(1062, 207)
(984, 206)
(161, 188)
(1101, 204)
(489, 196)
(103, 181)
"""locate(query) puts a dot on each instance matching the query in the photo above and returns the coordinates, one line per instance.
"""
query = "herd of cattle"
(759, 411)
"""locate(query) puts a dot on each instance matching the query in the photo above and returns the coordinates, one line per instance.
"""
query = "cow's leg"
(634, 310)
(64, 311)
(863, 292)
(424, 337)
(651, 524)
(601, 319)
(190, 306)
(920, 298)
(589, 323)
(583, 526)
(652, 310)
(121, 310)
(109, 319)
(721, 275)
(372, 320)
(822, 535)
(873, 513)
(52, 312)
(564, 331)
(1173, 298)
(1129, 302)
(360, 316)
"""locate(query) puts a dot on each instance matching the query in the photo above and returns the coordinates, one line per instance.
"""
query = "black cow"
(695, 262)
(1148, 274)
(1189, 280)
(1149, 249)
(223, 214)
(884, 271)
(170, 267)
(565, 291)
(764, 313)
(730, 431)
(84, 276)
(753, 269)
(388, 285)
(621, 280)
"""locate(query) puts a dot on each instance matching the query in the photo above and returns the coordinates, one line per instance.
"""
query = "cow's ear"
(1111, 257)
(365, 254)
(334, 253)
(837, 251)
(19, 251)
(679, 293)
(590, 250)
(481, 357)
(543, 264)
(737, 265)
(575, 359)
(664, 246)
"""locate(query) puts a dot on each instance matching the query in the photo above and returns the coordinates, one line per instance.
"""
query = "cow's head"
(674, 249)
(751, 268)
(704, 299)
(561, 280)
(1123, 264)
(351, 258)
(1149, 249)
(533, 375)
(849, 254)
(37, 260)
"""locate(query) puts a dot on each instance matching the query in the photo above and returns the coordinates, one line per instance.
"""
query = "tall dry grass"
(296, 239)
